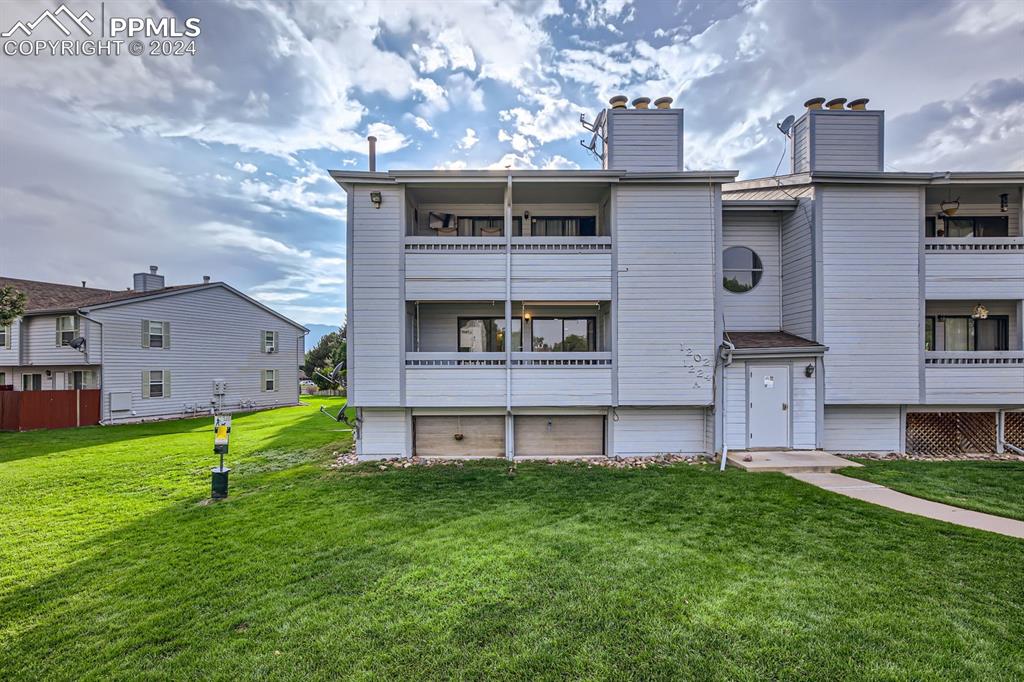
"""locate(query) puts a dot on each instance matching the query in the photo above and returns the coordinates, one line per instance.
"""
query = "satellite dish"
(786, 125)
(78, 343)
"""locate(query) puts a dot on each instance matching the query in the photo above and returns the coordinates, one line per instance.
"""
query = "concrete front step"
(788, 461)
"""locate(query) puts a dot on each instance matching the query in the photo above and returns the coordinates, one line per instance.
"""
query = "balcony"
(974, 378)
(561, 268)
(974, 267)
(459, 354)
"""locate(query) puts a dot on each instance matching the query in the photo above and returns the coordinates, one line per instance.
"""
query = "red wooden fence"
(27, 410)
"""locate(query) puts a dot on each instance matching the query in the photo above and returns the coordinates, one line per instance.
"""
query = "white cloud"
(246, 167)
(468, 140)
(451, 165)
(421, 123)
(559, 162)
(298, 193)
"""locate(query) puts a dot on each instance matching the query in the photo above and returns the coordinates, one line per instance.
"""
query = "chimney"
(83, 283)
(148, 281)
(835, 138)
(373, 152)
(206, 279)
(644, 138)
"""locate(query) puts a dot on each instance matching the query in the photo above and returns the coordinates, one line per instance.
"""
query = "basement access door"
(559, 436)
(475, 436)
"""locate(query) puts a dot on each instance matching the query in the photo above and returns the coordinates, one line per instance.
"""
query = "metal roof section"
(497, 176)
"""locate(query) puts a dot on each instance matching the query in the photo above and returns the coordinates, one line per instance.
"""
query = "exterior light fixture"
(950, 207)
(1004, 202)
(376, 199)
(980, 312)
(809, 370)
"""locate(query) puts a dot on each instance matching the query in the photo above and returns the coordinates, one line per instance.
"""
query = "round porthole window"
(741, 269)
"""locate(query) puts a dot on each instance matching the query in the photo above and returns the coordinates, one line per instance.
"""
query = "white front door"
(769, 406)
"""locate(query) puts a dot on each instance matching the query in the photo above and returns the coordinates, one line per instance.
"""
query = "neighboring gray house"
(155, 351)
(643, 309)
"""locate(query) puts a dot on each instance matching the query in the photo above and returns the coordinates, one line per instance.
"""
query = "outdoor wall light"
(1004, 202)
(809, 371)
(980, 312)
(376, 199)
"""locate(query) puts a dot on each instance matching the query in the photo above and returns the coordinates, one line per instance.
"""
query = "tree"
(326, 355)
(12, 305)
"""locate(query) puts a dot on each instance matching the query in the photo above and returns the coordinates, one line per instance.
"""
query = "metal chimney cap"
(206, 279)
(836, 103)
(814, 103)
(663, 103)
(618, 101)
(641, 102)
(858, 104)
(371, 138)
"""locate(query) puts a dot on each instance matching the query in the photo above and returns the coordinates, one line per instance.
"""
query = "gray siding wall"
(798, 270)
(645, 140)
(656, 431)
(974, 275)
(871, 242)
(215, 335)
(975, 384)
(561, 276)
(564, 387)
(850, 428)
(40, 334)
(454, 275)
(377, 302)
(757, 309)
(384, 433)
(9, 357)
(804, 407)
(801, 152)
(666, 256)
(455, 386)
(736, 405)
(846, 140)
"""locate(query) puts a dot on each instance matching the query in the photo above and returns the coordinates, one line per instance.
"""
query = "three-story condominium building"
(641, 308)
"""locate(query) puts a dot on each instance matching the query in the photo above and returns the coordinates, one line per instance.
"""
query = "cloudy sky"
(217, 164)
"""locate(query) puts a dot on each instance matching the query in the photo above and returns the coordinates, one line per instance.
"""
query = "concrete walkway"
(880, 495)
(787, 461)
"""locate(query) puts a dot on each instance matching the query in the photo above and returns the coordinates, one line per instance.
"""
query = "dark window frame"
(591, 332)
(756, 272)
(580, 219)
(1004, 226)
(488, 318)
(972, 332)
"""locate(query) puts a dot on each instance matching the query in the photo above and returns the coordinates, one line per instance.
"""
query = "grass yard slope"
(114, 566)
(991, 487)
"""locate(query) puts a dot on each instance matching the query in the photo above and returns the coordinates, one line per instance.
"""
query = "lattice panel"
(1013, 428)
(950, 433)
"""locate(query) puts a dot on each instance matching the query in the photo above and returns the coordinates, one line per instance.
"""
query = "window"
(563, 226)
(3, 379)
(79, 379)
(67, 329)
(269, 341)
(451, 225)
(154, 334)
(977, 226)
(929, 226)
(491, 226)
(270, 380)
(564, 334)
(965, 333)
(487, 334)
(741, 269)
(31, 382)
(156, 384)
(5, 336)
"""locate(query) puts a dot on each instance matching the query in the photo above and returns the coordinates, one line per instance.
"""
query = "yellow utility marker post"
(221, 436)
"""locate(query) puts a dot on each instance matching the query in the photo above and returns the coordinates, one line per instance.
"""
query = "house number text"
(698, 366)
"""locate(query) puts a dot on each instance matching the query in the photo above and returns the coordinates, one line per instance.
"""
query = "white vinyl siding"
(854, 428)
(376, 315)
(657, 431)
(384, 433)
(798, 270)
(757, 309)
(666, 298)
(846, 141)
(872, 313)
(645, 140)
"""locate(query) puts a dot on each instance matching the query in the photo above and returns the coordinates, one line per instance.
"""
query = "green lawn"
(113, 566)
(993, 487)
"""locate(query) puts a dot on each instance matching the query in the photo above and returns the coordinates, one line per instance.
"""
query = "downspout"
(728, 347)
(509, 430)
(102, 366)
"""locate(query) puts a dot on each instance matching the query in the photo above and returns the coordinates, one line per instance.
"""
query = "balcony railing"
(519, 244)
(974, 358)
(528, 359)
(996, 244)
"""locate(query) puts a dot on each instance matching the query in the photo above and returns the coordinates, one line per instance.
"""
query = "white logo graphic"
(27, 28)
